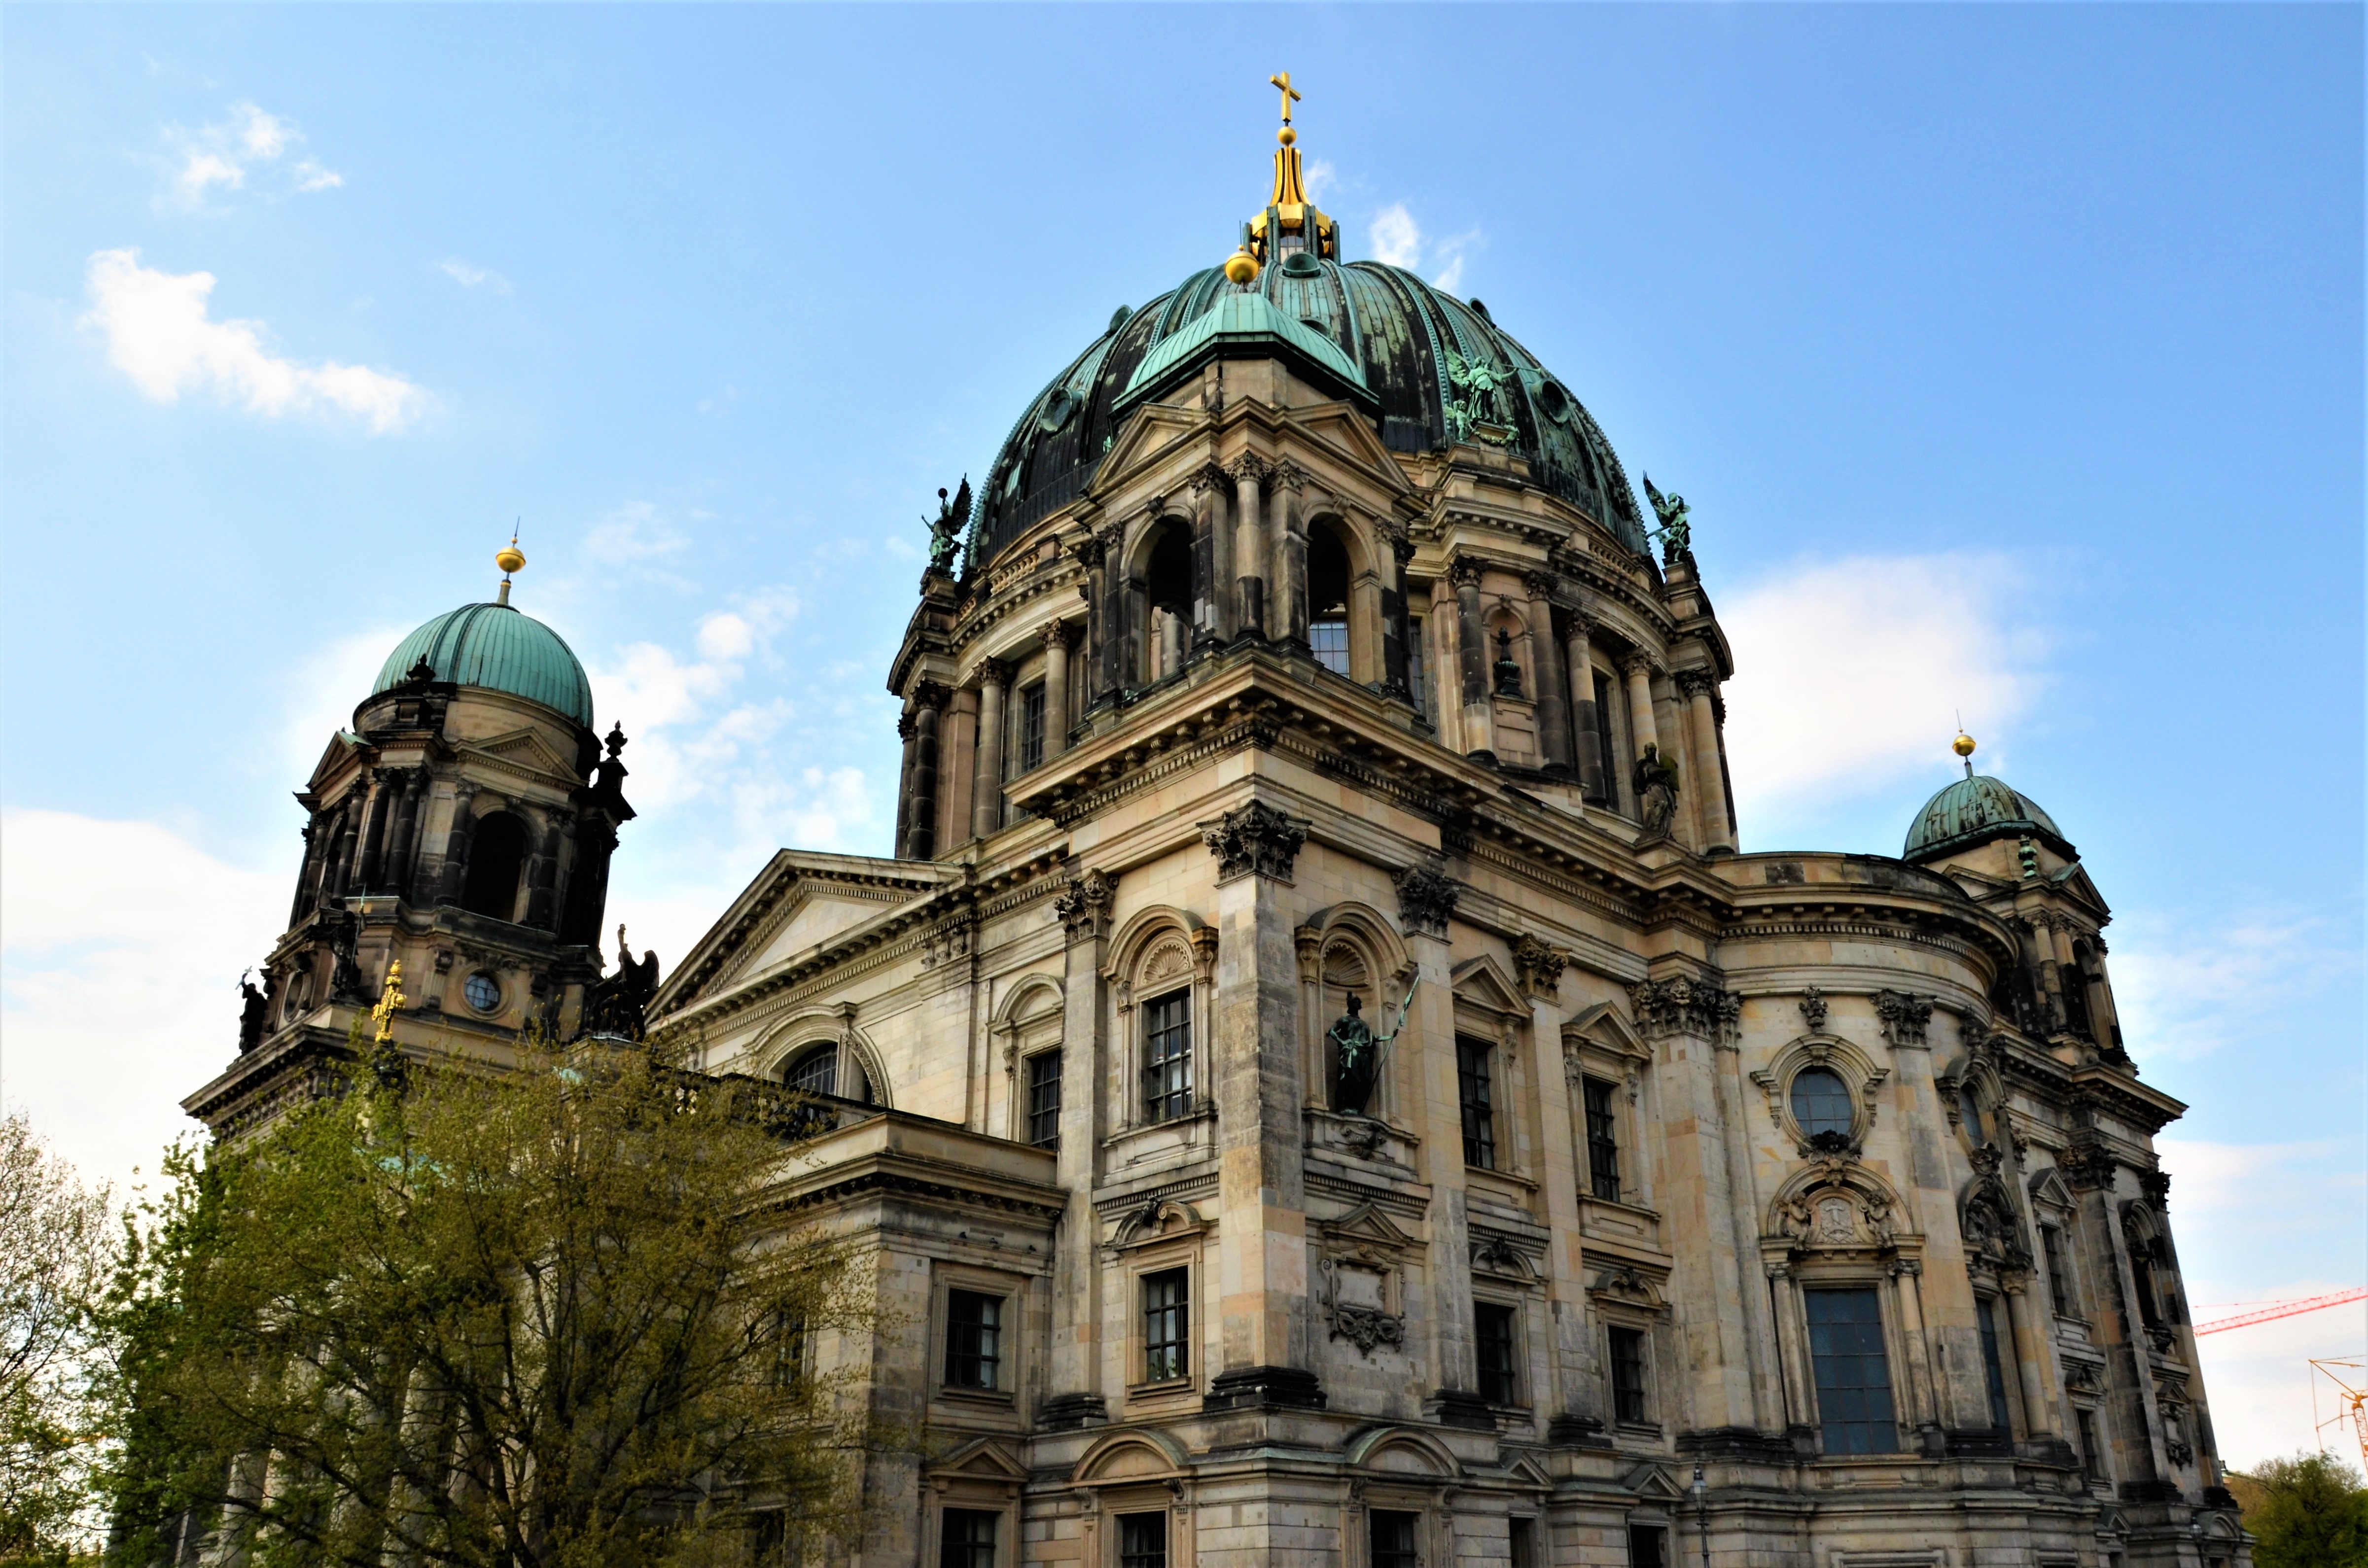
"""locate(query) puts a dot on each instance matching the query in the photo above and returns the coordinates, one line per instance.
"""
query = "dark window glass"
(1493, 1329)
(1415, 666)
(1853, 1372)
(2076, 1002)
(973, 1340)
(1612, 770)
(497, 858)
(1993, 1364)
(1645, 1546)
(1479, 1111)
(1391, 1540)
(1327, 639)
(1523, 1541)
(789, 1350)
(1628, 1374)
(2059, 1270)
(1821, 1101)
(2092, 1456)
(1044, 1099)
(1166, 1324)
(1976, 1119)
(815, 1072)
(1031, 727)
(1602, 1146)
(1327, 600)
(1167, 1056)
(1142, 1541)
(482, 992)
(966, 1538)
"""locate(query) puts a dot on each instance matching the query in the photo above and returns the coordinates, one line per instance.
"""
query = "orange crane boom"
(2283, 1310)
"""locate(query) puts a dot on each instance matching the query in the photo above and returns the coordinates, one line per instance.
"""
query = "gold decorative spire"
(509, 559)
(1290, 222)
(1964, 746)
(389, 1003)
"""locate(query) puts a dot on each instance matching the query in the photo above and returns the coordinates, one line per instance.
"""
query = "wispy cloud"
(2188, 986)
(635, 531)
(159, 332)
(1851, 672)
(249, 140)
(1397, 237)
(469, 277)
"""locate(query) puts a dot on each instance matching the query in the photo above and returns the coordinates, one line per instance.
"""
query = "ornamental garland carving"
(1812, 1010)
(1685, 1007)
(1426, 899)
(1255, 839)
(1905, 1017)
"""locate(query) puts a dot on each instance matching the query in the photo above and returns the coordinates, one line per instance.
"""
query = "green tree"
(56, 1252)
(2309, 1511)
(538, 1318)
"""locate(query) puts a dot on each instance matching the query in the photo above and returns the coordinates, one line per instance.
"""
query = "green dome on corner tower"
(1975, 810)
(494, 647)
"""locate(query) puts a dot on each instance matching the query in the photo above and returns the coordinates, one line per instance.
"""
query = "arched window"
(1167, 591)
(1821, 1102)
(497, 861)
(817, 1073)
(1327, 599)
(1976, 1118)
(2075, 994)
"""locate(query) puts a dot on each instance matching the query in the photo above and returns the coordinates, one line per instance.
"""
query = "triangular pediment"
(1603, 1025)
(803, 900)
(1368, 1225)
(526, 749)
(1653, 1483)
(342, 748)
(982, 1459)
(2075, 881)
(1483, 983)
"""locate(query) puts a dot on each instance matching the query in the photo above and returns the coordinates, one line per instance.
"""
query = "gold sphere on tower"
(509, 559)
(1963, 745)
(1286, 136)
(1242, 268)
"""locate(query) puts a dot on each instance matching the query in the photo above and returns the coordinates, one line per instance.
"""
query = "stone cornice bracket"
(1083, 905)
(1905, 1017)
(1466, 569)
(1696, 683)
(1541, 585)
(1812, 1010)
(1541, 965)
(1426, 899)
(1254, 840)
(1155, 506)
(1665, 1008)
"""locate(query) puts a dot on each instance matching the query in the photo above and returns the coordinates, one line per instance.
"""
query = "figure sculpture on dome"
(1676, 532)
(946, 530)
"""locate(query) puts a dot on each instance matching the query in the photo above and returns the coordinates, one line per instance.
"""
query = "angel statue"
(616, 1005)
(1483, 387)
(1656, 788)
(946, 530)
(1360, 1051)
(1676, 532)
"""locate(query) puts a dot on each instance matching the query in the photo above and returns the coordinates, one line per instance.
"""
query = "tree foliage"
(540, 1318)
(2309, 1511)
(56, 1252)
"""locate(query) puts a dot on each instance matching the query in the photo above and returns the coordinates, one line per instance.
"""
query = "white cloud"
(1396, 238)
(2185, 987)
(634, 531)
(321, 692)
(223, 155)
(1850, 674)
(113, 1005)
(159, 334)
(1320, 174)
(469, 277)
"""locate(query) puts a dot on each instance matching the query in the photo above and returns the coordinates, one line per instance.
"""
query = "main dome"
(1973, 809)
(496, 647)
(1407, 344)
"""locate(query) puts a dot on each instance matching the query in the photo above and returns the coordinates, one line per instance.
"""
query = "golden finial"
(1288, 211)
(1242, 268)
(509, 559)
(389, 1003)
(1964, 746)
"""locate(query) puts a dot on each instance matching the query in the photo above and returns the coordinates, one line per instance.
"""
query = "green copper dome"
(496, 647)
(1974, 810)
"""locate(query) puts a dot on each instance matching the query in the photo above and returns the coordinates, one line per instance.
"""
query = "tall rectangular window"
(966, 1538)
(1044, 1099)
(1327, 639)
(973, 1340)
(1602, 1146)
(1479, 1110)
(1645, 1546)
(1993, 1364)
(1853, 1372)
(789, 1350)
(1492, 1327)
(1416, 678)
(1523, 1542)
(1142, 1541)
(1031, 727)
(1609, 748)
(1628, 1374)
(1167, 1056)
(1166, 1324)
(2059, 1270)
(1392, 1540)
(2092, 1456)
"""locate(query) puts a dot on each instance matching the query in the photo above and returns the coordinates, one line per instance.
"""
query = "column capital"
(907, 726)
(1540, 585)
(1090, 551)
(1541, 965)
(1636, 662)
(1248, 468)
(1254, 839)
(1289, 474)
(927, 693)
(1207, 477)
(1111, 534)
(1466, 571)
(1063, 634)
(1426, 899)
(1696, 683)
(1084, 905)
(994, 672)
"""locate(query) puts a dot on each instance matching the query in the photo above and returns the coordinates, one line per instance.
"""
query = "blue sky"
(2010, 356)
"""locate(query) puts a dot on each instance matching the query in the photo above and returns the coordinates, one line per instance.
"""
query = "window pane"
(1969, 1110)
(966, 1538)
(1628, 1374)
(1392, 1540)
(1166, 1324)
(1415, 676)
(1853, 1372)
(1613, 769)
(816, 1073)
(1493, 1329)
(1821, 1101)
(974, 1339)
(1603, 1148)
(1044, 1099)
(1032, 727)
(1993, 1367)
(1479, 1113)
(1327, 639)
(2059, 1276)
(1168, 1057)
(1142, 1541)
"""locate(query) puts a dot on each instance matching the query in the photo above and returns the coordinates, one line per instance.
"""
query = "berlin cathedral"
(1320, 1077)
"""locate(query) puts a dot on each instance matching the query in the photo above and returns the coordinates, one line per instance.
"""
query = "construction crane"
(2350, 1403)
(2282, 1310)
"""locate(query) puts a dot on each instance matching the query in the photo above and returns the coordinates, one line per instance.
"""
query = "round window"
(1553, 400)
(1057, 411)
(482, 992)
(1821, 1102)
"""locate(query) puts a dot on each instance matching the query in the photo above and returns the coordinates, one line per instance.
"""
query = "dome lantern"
(1290, 222)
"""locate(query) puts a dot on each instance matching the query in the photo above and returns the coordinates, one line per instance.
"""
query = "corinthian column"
(1249, 546)
(1709, 779)
(986, 774)
(1057, 688)
(1552, 694)
(1593, 765)
(921, 821)
(1472, 657)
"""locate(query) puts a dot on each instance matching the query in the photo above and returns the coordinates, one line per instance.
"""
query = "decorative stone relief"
(1685, 1007)
(1812, 1010)
(1085, 903)
(1426, 899)
(1255, 839)
(945, 944)
(2086, 1164)
(1362, 1295)
(1540, 964)
(1904, 1017)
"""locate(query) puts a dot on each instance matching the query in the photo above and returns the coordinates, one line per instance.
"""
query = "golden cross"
(1289, 93)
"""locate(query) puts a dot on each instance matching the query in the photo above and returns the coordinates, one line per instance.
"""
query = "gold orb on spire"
(1242, 268)
(1286, 136)
(1963, 745)
(509, 559)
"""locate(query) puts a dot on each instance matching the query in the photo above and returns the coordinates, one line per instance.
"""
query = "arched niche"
(1159, 575)
(1862, 1079)
(1403, 1453)
(1141, 1454)
(797, 1040)
(497, 852)
(1350, 950)
(1840, 1208)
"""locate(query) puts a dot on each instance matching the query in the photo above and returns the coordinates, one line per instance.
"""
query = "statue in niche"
(251, 1014)
(1676, 532)
(1360, 1052)
(1509, 669)
(1656, 788)
(946, 531)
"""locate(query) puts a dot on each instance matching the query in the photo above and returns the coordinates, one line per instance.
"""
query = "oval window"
(1057, 410)
(1553, 400)
(481, 992)
(1821, 1102)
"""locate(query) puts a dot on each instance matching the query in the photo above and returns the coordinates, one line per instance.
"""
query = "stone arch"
(1837, 1206)
(1157, 1221)
(1033, 997)
(1140, 1453)
(1133, 940)
(1402, 1452)
(1158, 576)
(795, 1037)
(1505, 616)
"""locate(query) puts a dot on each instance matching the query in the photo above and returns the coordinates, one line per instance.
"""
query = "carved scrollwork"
(1812, 1010)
